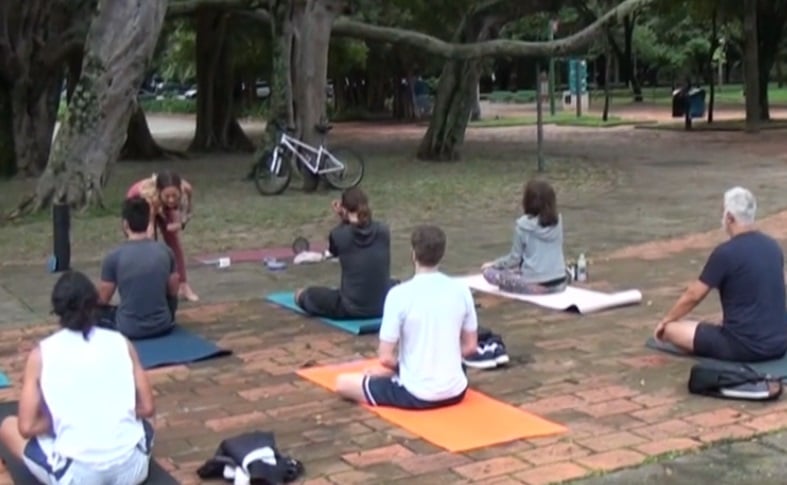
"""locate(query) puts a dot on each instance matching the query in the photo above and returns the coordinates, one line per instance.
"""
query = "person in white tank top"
(83, 401)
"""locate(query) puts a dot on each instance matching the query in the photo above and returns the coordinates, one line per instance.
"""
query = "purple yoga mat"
(257, 255)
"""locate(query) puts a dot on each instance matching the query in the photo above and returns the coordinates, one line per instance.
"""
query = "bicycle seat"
(323, 129)
(282, 127)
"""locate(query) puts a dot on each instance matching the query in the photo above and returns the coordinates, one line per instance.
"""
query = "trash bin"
(679, 103)
(696, 103)
(693, 98)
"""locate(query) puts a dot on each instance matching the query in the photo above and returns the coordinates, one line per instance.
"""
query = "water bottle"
(582, 268)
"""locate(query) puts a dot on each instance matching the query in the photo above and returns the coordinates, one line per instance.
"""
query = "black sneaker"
(499, 350)
(484, 358)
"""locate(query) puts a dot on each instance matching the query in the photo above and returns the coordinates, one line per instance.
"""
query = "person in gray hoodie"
(363, 247)
(535, 264)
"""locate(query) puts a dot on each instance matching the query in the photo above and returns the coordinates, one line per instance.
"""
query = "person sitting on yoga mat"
(144, 273)
(535, 264)
(363, 247)
(748, 272)
(430, 322)
(170, 199)
(83, 401)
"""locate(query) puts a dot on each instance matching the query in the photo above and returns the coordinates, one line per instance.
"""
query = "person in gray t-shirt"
(144, 274)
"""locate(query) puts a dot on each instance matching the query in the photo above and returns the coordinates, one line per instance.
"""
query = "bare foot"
(187, 293)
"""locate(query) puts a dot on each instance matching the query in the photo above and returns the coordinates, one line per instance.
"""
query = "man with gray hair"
(748, 272)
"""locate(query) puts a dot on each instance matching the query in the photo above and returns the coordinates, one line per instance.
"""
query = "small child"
(535, 264)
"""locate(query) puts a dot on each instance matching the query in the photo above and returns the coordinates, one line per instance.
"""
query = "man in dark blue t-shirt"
(143, 272)
(748, 272)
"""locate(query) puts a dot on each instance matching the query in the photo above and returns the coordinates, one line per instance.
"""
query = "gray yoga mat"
(775, 368)
(20, 475)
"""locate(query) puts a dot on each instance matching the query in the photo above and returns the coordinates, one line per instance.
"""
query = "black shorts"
(713, 341)
(388, 391)
(324, 302)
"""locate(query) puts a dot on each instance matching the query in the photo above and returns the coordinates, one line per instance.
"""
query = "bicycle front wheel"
(353, 171)
(271, 180)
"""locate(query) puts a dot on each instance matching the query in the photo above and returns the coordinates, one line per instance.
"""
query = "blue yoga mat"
(775, 368)
(180, 346)
(4, 381)
(358, 327)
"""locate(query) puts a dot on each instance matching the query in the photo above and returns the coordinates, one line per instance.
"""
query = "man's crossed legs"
(381, 387)
(706, 339)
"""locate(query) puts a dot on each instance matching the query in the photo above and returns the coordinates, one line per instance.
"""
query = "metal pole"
(539, 119)
(578, 95)
(552, 25)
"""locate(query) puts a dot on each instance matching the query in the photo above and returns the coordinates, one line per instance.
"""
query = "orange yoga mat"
(478, 421)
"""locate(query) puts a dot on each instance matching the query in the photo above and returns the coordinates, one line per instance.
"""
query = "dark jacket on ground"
(267, 465)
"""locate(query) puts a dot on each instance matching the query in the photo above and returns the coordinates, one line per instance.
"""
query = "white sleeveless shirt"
(88, 386)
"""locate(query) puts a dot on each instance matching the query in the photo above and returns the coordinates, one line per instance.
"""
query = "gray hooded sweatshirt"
(536, 251)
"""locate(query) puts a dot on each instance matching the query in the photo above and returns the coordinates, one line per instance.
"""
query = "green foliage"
(519, 97)
(176, 60)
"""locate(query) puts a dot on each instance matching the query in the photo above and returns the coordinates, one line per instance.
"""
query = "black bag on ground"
(254, 454)
(733, 382)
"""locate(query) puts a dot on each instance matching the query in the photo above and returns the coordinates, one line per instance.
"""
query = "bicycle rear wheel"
(353, 172)
(268, 182)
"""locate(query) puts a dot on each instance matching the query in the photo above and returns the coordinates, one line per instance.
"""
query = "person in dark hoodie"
(535, 264)
(363, 247)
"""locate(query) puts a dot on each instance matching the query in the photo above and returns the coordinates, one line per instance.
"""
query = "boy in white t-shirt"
(431, 321)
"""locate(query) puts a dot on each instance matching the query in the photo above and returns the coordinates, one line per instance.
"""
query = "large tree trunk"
(301, 30)
(751, 70)
(140, 144)
(120, 43)
(36, 37)
(217, 126)
(710, 76)
(627, 61)
(456, 97)
(34, 110)
(771, 18)
(7, 152)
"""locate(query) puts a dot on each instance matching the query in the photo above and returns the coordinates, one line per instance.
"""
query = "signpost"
(541, 81)
(577, 82)
(553, 26)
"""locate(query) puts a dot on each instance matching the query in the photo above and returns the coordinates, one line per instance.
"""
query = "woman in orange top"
(170, 209)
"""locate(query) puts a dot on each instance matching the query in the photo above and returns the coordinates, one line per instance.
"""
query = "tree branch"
(187, 7)
(58, 48)
(494, 48)
(347, 27)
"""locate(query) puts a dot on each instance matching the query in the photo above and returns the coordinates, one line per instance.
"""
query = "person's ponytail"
(354, 200)
(74, 301)
(364, 215)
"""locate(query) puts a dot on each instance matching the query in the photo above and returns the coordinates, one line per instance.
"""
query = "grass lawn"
(721, 125)
(562, 118)
(727, 94)
(229, 213)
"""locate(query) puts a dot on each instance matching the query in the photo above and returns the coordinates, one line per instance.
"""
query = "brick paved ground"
(622, 403)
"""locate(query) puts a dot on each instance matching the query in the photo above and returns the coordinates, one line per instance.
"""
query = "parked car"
(191, 93)
(262, 89)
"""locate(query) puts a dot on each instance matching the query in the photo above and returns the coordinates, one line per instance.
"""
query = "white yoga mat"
(573, 299)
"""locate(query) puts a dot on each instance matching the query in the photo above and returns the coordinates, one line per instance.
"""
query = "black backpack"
(733, 381)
